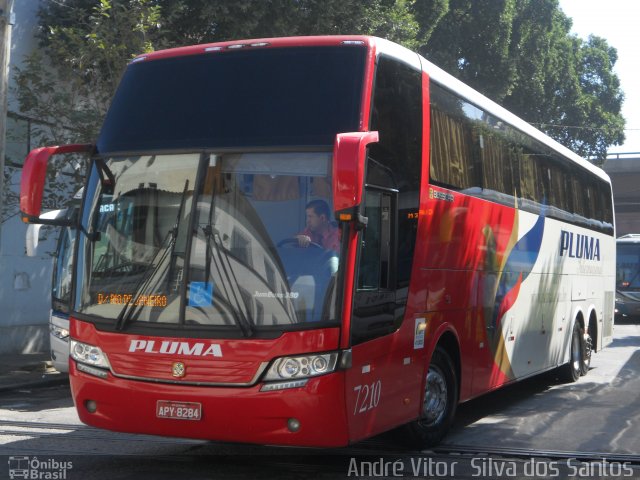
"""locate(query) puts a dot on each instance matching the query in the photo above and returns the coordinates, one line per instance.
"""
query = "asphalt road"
(539, 428)
(598, 413)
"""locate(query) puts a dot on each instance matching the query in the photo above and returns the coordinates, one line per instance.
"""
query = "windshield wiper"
(225, 271)
(174, 230)
(152, 269)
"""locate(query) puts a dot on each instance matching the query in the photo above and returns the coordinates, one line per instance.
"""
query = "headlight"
(84, 353)
(59, 332)
(304, 366)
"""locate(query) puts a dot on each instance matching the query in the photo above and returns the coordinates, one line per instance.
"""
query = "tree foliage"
(88, 44)
(199, 21)
(68, 83)
(519, 53)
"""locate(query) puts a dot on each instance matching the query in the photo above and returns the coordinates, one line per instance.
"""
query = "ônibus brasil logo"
(35, 468)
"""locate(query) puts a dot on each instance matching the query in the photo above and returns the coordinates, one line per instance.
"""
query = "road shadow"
(542, 412)
(35, 399)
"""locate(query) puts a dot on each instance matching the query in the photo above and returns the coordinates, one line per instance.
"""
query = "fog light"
(293, 424)
(91, 406)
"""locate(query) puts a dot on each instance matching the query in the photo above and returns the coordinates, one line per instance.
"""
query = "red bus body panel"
(233, 413)
(228, 414)
(468, 240)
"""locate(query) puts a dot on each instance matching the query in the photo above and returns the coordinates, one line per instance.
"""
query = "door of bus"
(380, 382)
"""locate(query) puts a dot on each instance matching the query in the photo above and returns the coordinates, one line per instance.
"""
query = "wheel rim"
(436, 395)
(588, 348)
(576, 356)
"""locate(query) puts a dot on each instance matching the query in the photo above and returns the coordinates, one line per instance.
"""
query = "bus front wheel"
(440, 401)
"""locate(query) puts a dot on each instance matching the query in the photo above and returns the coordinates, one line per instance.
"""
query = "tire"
(572, 370)
(587, 350)
(439, 403)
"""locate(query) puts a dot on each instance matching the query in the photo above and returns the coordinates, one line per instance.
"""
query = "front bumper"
(230, 414)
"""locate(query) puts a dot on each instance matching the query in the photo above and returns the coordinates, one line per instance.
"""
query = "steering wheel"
(293, 241)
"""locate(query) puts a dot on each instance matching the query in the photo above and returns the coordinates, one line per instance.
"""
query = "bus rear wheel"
(587, 350)
(571, 371)
(440, 401)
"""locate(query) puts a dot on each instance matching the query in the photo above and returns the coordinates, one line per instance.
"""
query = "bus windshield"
(219, 249)
(628, 267)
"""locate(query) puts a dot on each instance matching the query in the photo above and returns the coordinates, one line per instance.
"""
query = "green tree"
(568, 88)
(521, 54)
(472, 42)
(541, 51)
(428, 14)
(87, 44)
(67, 85)
(188, 22)
(597, 114)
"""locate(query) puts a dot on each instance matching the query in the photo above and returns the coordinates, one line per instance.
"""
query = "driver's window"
(375, 299)
(374, 255)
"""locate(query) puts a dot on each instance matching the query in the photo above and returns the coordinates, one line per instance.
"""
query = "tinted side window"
(391, 201)
(477, 153)
(397, 116)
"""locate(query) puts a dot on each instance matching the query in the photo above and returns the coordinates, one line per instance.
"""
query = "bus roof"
(629, 238)
(232, 45)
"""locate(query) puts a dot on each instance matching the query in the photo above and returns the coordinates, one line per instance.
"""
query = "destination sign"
(157, 300)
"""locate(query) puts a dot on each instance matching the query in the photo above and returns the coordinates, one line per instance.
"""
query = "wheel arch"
(443, 342)
(592, 328)
(449, 342)
(447, 339)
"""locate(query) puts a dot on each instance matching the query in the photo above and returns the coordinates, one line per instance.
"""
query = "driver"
(319, 229)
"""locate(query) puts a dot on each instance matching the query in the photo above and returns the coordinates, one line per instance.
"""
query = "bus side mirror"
(33, 180)
(349, 160)
(32, 237)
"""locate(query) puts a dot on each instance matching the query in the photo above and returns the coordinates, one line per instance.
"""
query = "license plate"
(179, 410)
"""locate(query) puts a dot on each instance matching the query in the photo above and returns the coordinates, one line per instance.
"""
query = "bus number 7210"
(368, 397)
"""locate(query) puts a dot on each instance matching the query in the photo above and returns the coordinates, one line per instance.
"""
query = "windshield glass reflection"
(261, 250)
(248, 264)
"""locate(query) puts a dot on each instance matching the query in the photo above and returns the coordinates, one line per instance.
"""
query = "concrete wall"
(24, 282)
(624, 170)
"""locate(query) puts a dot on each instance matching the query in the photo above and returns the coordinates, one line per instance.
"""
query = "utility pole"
(5, 52)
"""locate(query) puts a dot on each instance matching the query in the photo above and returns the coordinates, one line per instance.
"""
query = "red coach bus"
(308, 241)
